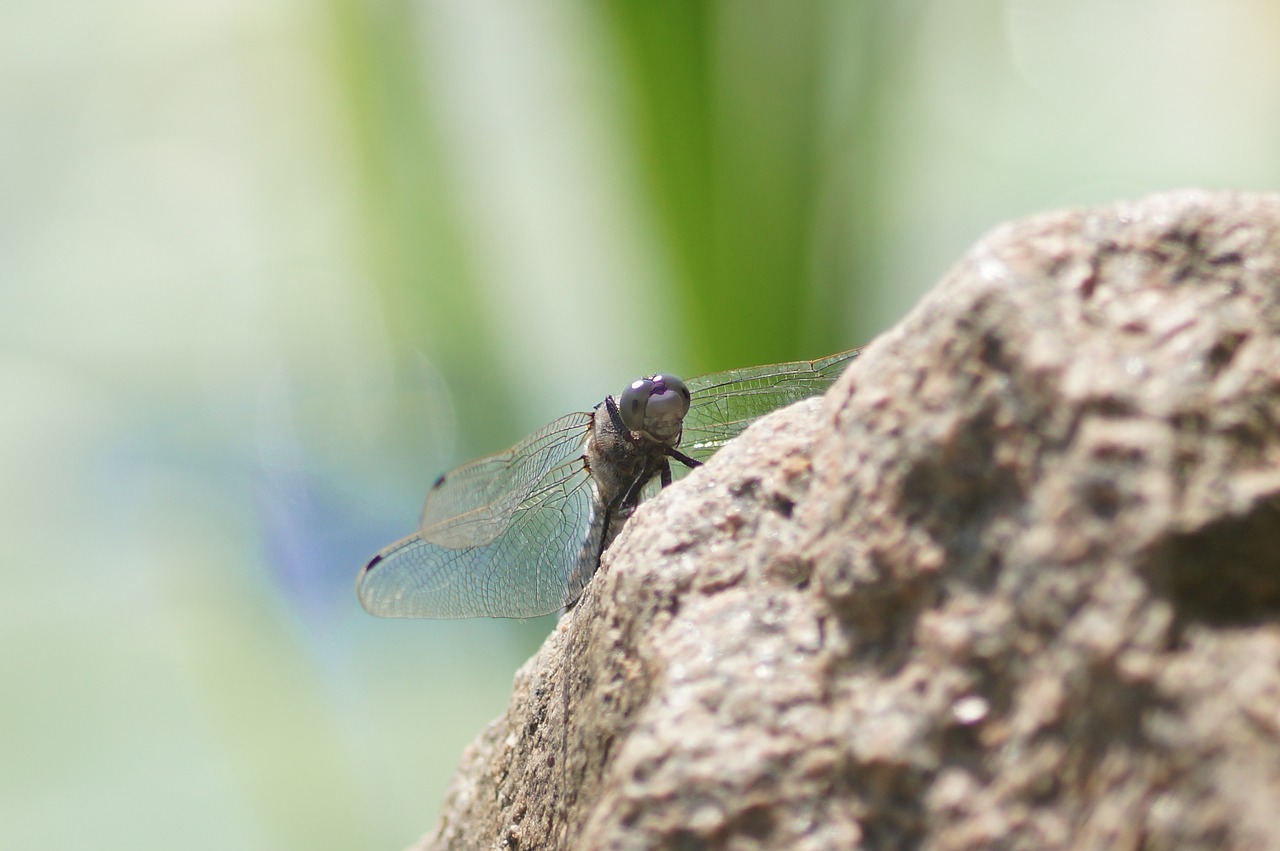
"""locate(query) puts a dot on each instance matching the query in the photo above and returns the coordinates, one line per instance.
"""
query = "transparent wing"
(515, 535)
(725, 403)
(473, 504)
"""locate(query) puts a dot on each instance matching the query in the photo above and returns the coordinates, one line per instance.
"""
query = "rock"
(1015, 583)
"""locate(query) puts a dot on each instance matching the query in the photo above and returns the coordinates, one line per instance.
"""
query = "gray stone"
(1014, 583)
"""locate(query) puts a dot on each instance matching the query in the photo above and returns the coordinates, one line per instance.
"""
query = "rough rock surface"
(1015, 583)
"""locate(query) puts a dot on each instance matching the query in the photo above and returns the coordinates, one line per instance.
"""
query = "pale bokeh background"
(267, 268)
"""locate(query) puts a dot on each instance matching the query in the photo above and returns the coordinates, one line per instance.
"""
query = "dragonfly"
(520, 533)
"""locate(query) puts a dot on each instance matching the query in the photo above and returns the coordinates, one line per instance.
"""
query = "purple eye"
(655, 405)
(633, 403)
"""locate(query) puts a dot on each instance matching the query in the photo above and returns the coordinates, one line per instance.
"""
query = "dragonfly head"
(655, 406)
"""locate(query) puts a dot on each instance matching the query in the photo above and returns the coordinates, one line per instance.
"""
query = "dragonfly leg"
(630, 498)
(672, 452)
(615, 417)
(665, 472)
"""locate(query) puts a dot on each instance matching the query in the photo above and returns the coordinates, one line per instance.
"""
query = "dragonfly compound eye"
(633, 403)
(655, 405)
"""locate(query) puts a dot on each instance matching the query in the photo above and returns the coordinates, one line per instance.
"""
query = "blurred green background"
(269, 267)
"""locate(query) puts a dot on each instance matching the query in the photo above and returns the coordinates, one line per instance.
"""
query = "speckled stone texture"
(1015, 583)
